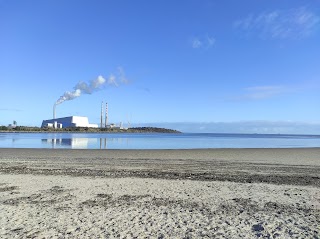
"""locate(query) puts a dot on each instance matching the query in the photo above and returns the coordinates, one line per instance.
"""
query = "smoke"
(92, 86)
(68, 96)
(112, 80)
(122, 76)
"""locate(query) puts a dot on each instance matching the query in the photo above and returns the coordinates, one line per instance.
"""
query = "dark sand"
(276, 166)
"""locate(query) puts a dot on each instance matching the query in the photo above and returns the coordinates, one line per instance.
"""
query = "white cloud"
(210, 41)
(196, 43)
(203, 42)
(263, 92)
(295, 23)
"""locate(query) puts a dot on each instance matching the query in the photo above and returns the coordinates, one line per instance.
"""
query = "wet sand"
(214, 193)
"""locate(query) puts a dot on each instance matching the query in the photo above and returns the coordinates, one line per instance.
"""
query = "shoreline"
(171, 131)
(201, 193)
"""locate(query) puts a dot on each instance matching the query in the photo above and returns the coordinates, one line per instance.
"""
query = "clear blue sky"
(187, 61)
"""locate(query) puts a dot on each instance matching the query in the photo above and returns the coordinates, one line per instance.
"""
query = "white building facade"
(66, 122)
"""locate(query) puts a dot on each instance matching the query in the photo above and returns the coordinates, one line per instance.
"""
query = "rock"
(257, 228)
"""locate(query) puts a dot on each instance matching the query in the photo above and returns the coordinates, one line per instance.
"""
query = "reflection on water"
(73, 143)
(83, 143)
(104, 142)
(153, 141)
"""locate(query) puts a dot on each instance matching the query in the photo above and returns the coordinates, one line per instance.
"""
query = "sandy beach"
(207, 193)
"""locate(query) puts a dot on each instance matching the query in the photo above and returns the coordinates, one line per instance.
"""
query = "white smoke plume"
(112, 80)
(93, 85)
(122, 76)
(69, 96)
(90, 87)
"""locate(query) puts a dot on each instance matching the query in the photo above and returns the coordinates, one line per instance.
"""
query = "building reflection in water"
(103, 143)
(114, 143)
(73, 143)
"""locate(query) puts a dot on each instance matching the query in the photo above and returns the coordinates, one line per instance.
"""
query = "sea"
(155, 140)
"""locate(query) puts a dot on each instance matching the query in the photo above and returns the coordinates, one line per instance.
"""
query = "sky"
(195, 65)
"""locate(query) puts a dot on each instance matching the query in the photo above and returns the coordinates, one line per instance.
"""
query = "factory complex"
(78, 121)
(66, 122)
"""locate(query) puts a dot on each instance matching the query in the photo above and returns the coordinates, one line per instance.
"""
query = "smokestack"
(101, 118)
(106, 116)
(54, 111)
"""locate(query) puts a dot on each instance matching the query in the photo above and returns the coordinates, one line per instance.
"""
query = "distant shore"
(23, 129)
(202, 193)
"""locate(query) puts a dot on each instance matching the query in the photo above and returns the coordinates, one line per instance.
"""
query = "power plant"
(78, 121)
(79, 89)
(66, 122)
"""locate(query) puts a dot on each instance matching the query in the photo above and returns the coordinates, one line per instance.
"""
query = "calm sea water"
(154, 141)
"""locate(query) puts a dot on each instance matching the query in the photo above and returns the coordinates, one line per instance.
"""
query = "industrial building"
(71, 121)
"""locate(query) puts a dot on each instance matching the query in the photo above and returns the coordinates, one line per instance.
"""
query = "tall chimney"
(106, 116)
(54, 111)
(101, 118)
